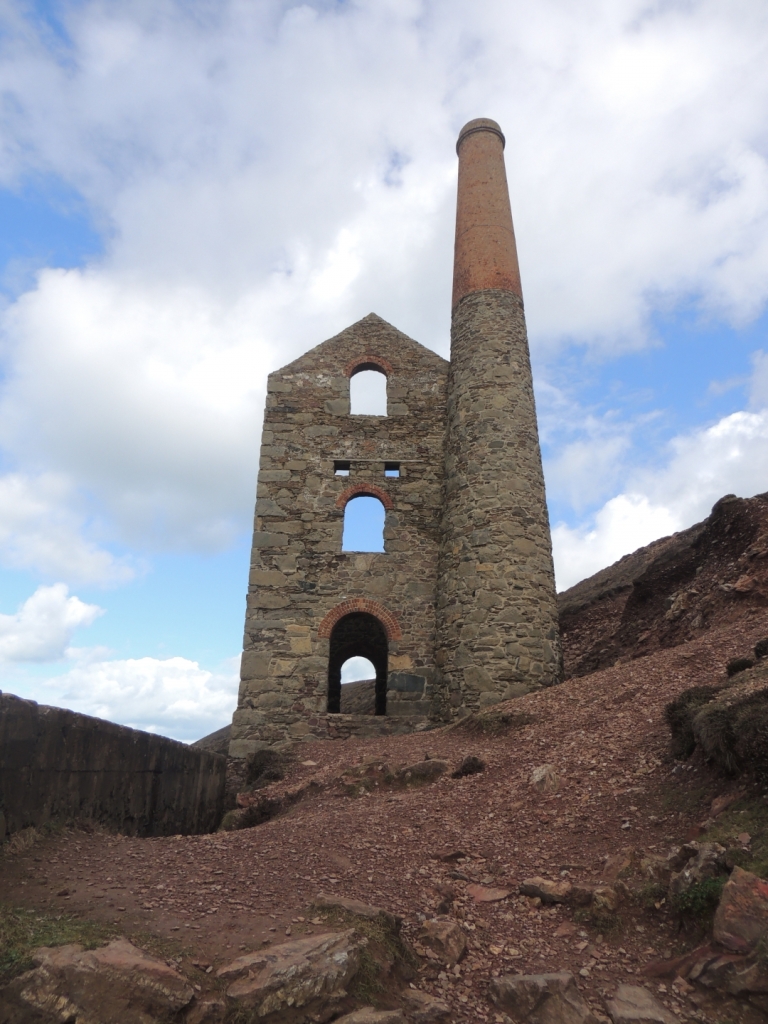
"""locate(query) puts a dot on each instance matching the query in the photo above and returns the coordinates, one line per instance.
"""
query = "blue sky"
(191, 195)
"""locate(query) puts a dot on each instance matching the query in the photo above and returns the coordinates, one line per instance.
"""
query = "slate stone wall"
(301, 582)
(56, 764)
(497, 611)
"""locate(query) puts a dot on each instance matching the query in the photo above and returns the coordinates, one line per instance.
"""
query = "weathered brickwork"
(459, 612)
(302, 585)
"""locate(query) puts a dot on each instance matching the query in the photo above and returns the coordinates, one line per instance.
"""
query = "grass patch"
(749, 815)
(265, 766)
(23, 931)
(679, 715)
(696, 906)
(651, 895)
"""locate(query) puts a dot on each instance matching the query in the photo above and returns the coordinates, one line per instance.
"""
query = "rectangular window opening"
(392, 469)
(341, 468)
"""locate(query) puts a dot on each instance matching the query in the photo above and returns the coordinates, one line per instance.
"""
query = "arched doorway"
(358, 634)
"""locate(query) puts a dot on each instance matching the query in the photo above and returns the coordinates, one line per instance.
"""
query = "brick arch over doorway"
(361, 604)
(369, 490)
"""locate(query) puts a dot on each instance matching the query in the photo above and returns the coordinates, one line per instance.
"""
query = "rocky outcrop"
(634, 1004)
(117, 984)
(741, 919)
(670, 591)
(310, 973)
(541, 999)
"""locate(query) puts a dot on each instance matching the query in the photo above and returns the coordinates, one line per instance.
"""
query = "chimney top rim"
(480, 124)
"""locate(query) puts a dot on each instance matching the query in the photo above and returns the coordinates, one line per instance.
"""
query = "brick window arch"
(361, 604)
(368, 490)
(368, 361)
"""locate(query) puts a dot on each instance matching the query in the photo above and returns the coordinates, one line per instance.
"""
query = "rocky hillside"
(671, 591)
(549, 862)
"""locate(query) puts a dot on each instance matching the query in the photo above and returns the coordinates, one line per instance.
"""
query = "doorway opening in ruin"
(368, 391)
(357, 636)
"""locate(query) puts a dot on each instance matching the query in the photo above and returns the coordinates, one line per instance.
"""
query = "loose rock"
(546, 890)
(309, 972)
(708, 862)
(544, 779)
(445, 938)
(370, 1015)
(541, 998)
(741, 919)
(633, 1004)
(471, 765)
(423, 1008)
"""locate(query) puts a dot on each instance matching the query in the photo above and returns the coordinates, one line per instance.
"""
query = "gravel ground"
(619, 789)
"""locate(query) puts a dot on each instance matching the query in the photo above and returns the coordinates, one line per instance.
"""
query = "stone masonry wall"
(497, 613)
(301, 582)
(56, 764)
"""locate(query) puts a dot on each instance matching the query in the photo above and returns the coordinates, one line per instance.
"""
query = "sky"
(193, 193)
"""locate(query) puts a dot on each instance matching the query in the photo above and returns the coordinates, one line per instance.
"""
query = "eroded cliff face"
(670, 591)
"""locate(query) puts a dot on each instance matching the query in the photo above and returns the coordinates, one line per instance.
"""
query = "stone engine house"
(459, 610)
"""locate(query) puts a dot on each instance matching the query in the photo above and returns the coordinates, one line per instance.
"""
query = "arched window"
(363, 524)
(357, 640)
(368, 392)
(358, 687)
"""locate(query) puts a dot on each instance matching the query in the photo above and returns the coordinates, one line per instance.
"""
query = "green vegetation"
(23, 931)
(696, 906)
(680, 714)
(265, 766)
(748, 815)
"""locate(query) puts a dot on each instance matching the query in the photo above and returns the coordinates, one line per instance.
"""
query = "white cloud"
(41, 528)
(729, 457)
(172, 696)
(266, 173)
(42, 628)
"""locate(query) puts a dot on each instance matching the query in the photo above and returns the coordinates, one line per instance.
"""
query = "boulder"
(206, 1009)
(546, 890)
(484, 894)
(422, 772)
(370, 1015)
(356, 908)
(444, 938)
(605, 900)
(423, 1008)
(116, 984)
(741, 919)
(471, 765)
(311, 972)
(541, 999)
(544, 779)
(634, 1004)
(707, 862)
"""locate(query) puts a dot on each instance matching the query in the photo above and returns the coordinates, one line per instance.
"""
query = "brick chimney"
(497, 629)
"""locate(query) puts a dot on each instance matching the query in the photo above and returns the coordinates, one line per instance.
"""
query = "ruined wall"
(56, 764)
(301, 582)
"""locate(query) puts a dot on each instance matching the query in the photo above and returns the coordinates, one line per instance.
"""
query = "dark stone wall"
(299, 574)
(497, 608)
(56, 764)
